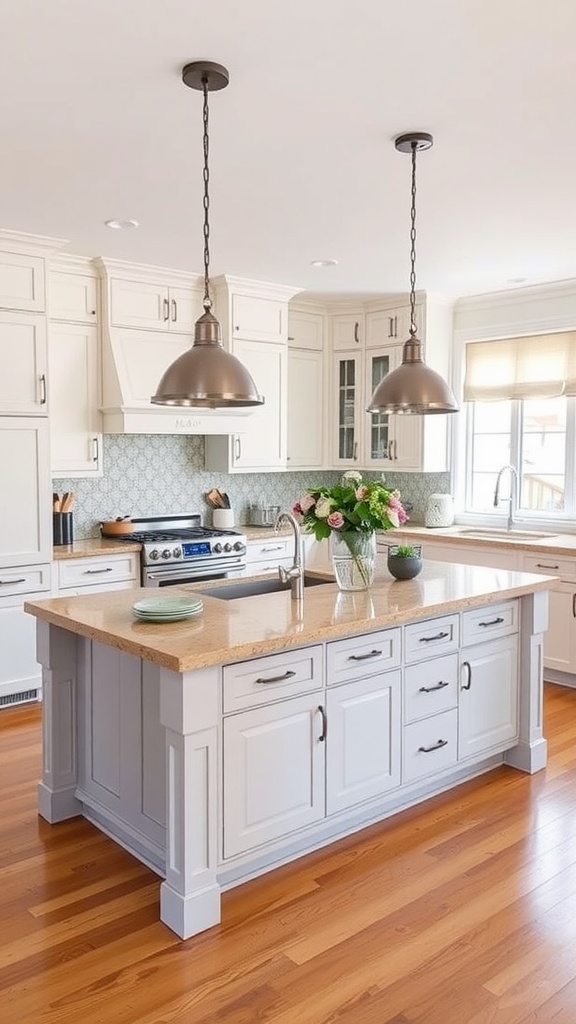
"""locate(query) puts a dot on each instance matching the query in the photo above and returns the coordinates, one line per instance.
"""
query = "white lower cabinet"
(103, 572)
(489, 687)
(363, 742)
(266, 555)
(560, 640)
(20, 673)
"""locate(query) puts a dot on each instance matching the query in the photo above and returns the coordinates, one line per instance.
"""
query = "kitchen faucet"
(512, 499)
(295, 574)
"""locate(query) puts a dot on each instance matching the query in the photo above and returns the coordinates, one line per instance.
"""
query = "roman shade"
(538, 366)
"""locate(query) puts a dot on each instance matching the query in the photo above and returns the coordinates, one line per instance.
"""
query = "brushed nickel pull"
(7, 583)
(42, 389)
(174, 311)
(468, 667)
(540, 565)
(323, 734)
(429, 639)
(276, 679)
(364, 657)
(395, 450)
(97, 572)
(272, 547)
(390, 326)
(493, 622)
(238, 447)
(356, 336)
(430, 689)
(355, 451)
(435, 746)
(166, 305)
(95, 449)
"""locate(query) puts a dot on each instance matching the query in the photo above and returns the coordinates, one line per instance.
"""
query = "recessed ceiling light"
(121, 225)
(324, 263)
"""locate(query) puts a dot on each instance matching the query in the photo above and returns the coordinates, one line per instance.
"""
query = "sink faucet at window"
(513, 497)
(295, 574)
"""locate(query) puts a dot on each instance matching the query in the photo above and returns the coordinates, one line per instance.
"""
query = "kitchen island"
(217, 748)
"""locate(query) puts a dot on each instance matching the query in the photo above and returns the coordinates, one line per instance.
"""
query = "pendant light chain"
(413, 245)
(207, 302)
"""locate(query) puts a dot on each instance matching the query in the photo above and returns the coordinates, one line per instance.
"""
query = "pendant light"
(413, 387)
(207, 376)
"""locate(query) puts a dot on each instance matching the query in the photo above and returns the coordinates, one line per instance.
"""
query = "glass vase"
(353, 558)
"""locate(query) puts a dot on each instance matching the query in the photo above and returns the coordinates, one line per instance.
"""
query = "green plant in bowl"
(404, 560)
(407, 550)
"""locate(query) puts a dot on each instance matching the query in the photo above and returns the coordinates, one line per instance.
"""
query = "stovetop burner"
(168, 541)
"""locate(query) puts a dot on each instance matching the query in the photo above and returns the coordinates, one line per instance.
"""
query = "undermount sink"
(488, 533)
(253, 588)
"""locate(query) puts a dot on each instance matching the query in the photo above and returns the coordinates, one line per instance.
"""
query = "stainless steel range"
(178, 549)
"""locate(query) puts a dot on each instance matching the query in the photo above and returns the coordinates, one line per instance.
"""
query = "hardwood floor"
(460, 912)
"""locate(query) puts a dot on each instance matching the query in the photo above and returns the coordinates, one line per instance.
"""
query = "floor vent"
(19, 698)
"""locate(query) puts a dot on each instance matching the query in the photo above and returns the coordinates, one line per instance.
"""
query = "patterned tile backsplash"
(146, 474)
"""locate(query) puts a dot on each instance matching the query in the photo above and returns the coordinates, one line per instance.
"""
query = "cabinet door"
(75, 389)
(363, 740)
(347, 331)
(185, 308)
(139, 304)
(257, 319)
(306, 330)
(305, 409)
(25, 513)
(488, 700)
(23, 354)
(273, 772)
(22, 282)
(380, 446)
(347, 395)
(20, 673)
(73, 297)
(559, 640)
(390, 326)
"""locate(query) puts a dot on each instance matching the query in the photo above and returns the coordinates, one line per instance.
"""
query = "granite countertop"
(93, 546)
(231, 631)
(557, 543)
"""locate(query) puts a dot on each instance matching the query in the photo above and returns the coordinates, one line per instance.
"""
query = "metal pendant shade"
(413, 387)
(207, 376)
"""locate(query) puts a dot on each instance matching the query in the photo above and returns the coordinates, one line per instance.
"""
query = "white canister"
(223, 518)
(439, 510)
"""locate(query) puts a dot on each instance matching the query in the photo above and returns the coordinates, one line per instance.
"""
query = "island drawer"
(430, 746)
(490, 622)
(360, 656)
(25, 579)
(427, 639)
(551, 565)
(276, 676)
(430, 687)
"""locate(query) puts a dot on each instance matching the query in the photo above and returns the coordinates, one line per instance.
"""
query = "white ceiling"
(95, 123)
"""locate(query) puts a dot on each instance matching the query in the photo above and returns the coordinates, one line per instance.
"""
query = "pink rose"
(361, 492)
(335, 520)
(307, 502)
(297, 508)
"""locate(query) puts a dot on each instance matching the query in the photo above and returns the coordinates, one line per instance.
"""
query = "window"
(521, 411)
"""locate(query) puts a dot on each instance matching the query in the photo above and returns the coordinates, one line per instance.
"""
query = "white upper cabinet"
(154, 306)
(25, 517)
(24, 357)
(75, 420)
(347, 331)
(73, 296)
(255, 318)
(22, 282)
(305, 330)
(307, 390)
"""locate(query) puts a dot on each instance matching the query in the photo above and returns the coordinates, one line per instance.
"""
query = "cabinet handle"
(238, 447)
(276, 679)
(273, 547)
(435, 746)
(363, 657)
(492, 622)
(390, 326)
(290, 338)
(468, 667)
(395, 326)
(429, 639)
(356, 335)
(7, 583)
(42, 389)
(95, 449)
(394, 451)
(97, 572)
(389, 450)
(430, 689)
(166, 305)
(322, 735)
(574, 606)
(236, 327)
(174, 311)
(355, 451)
(540, 565)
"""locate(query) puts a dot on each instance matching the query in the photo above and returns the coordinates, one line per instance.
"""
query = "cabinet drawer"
(361, 656)
(271, 550)
(551, 565)
(426, 639)
(490, 622)
(81, 572)
(430, 746)
(24, 580)
(430, 687)
(266, 679)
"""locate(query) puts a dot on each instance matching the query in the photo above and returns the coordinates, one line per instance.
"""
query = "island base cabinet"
(273, 772)
(488, 709)
(363, 742)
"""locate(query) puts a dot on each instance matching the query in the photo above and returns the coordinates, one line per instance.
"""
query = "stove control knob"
(238, 546)
(217, 548)
(227, 547)
(154, 554)
(177, 553)
(166, 553)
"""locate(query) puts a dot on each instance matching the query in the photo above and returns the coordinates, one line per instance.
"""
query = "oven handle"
(188, 576)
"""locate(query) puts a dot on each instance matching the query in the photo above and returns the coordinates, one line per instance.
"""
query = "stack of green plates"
(167, 609)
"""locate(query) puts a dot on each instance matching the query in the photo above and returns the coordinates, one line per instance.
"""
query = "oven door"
(177, 575)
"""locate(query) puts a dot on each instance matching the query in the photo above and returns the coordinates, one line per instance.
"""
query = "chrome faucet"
(295, 574)
(512, 499)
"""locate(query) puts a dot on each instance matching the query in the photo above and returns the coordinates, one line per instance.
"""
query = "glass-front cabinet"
(348, 379)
